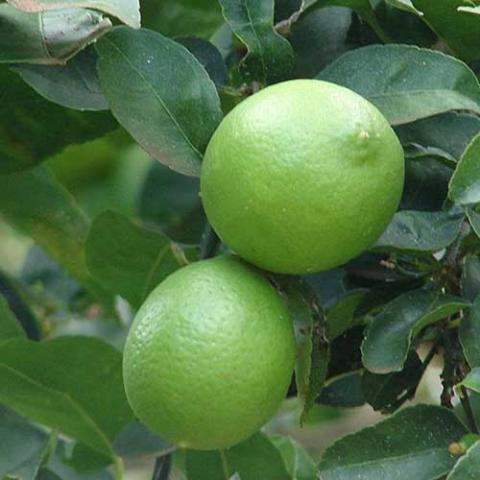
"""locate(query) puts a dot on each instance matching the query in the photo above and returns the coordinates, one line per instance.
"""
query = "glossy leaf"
(24, 140)
(388, 392)
(171, 201)
(209, 56)
(298, 462)
(460, 31)
(470, 281)
(468, 332)
(253, 459)
(474, 219)
(134, 266)
(341, 315)
(465, 184)
(343, 391)
(421, 231)
(174, 107)
(388, 338)
(9, 326)
(23, 446)
(468, 466)
(74, 85)
(406, 83)
(413, 443)
(36, 38)
(37, 204)
(82, 395)
(270, 56)
(128, 11)
(472, 380)
(446, 135)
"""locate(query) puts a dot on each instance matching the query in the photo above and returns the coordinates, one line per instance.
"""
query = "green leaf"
(9, 326)
(270, 56)
(405, 5)
(446, 135)
(469, 332)
(298, 462)
(465, 184)
(24, 140)
(421, 231)
(413, 443)
(134, 266)
(405, 82)
(474, 219)
(23, 447)
(73, 384)
(174, 107)
(458, 30)
(37, 38)
(209, 57)
(341, 316)
(256, 458)
(388, 338)
(128, 11)
(470, 281)
(37, 204)
(468, 466)
(136, 440)
(171, 201)
(312, 349)
(74, 85)
(388, 392)
(472, 380)
(343, 391)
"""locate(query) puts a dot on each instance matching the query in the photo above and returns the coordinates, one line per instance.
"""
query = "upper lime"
(302, 176)
(210, 355)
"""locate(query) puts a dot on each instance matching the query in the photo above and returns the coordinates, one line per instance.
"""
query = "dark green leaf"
(405, 5)
(426, 184)
(24, 140)
(406, 83)
(343, 391)
(388, 392)
(128, 11)
(388, 338)
(464, 186)
(137, 440)
(134, 266)
(468, 466)
(209, 56)
(23, 447)
(470, 281)
(469, 333)
(270, 56)
(460, 31)
(174, 107)
(474, 219)
(74, 85)
(421, 231)
(254, 459)
(9, 326)
(171, 201)
(413, 443)
(298, 462)
(472, 380)
(341, 315)
(37, 38)
(73, 384)
(36, 203)
(446, 135)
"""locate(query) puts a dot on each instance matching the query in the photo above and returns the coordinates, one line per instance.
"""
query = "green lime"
(210, 355)
(302, 177)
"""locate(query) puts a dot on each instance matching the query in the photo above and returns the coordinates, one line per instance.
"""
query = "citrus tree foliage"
(82, 82)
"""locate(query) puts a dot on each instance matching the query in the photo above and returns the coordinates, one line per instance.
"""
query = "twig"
(467, 407)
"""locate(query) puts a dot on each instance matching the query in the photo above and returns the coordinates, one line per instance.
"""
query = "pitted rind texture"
(210, 355)
(302, 176)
